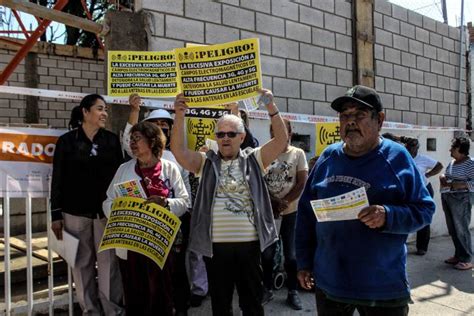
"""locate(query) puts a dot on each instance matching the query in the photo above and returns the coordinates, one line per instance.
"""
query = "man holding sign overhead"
(232, 220)
(361, 201)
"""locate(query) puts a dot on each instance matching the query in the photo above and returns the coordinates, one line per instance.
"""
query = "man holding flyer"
(358, 260)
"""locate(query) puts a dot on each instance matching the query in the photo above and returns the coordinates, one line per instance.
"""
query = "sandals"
(452, 260)
(463, 266)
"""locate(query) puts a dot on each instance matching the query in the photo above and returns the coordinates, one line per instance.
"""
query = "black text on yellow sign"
(147, 73)
(148, 229)
(217, 74)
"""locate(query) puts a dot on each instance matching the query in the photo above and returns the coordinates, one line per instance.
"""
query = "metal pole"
(445, 11)
(461, 55)
(29, 43)
(6, 260)
(69, 291)
(29, 258)
(50, 260)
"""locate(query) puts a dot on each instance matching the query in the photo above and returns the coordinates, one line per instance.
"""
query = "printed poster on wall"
(326, 134)
(26, 158)
(150, 74)
(148, 229)
(218, 74)
(201, 125)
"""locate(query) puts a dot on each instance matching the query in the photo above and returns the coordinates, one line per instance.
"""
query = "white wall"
(260, 129)
(443, 144)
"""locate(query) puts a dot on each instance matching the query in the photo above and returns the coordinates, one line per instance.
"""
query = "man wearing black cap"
(361, 263)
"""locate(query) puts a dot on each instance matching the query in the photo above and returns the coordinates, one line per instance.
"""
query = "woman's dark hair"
(463, 143)
(411, 142)
(391, 137)
(153, 134)
(86, 103)
(244, 116)
(76, 117)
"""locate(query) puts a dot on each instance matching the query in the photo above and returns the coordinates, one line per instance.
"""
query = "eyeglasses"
(135, 139)
(229, 134)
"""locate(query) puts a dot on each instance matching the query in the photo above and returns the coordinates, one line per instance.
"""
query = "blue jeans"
(457, 209)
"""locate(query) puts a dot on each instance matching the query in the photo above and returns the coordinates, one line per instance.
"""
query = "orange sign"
(27, 148)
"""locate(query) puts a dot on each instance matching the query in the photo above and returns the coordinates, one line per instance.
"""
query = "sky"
(431, 8)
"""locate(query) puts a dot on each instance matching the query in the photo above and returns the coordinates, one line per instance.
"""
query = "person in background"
(164, 121)
(428, 167)
(457, 186)
(249, 140)
(232, 221)
(361, 263)
(285, 178)
(85, 160)
(149, 289)
(312, 162)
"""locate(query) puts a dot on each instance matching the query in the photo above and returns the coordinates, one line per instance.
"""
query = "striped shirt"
(233, 209)
(461, 172)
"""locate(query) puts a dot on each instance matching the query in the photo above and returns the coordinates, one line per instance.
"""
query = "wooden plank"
(38, 252)
(54, 15)
(54, 49)
(364, 33)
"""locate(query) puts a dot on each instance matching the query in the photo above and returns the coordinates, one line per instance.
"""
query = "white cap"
(159, 114)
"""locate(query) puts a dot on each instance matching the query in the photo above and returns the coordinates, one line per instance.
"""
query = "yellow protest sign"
(201, 125)
(217, 74)
(148, 229)
(151, 74)
(326, 134)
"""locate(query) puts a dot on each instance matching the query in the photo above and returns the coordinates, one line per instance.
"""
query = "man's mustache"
(350, 130)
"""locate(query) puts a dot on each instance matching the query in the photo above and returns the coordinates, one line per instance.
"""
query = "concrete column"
(128, 31)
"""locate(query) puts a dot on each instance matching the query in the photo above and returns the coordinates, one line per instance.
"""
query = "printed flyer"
(218, 74)
(148, 229)
(342, 207)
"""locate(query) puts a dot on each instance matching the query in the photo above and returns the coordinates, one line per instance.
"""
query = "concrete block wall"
(417, 67)
(306, 46)
(61, 73)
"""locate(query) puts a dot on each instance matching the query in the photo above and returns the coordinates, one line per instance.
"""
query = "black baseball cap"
(359, 94)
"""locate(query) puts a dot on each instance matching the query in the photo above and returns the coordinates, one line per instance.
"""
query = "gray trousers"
(457, 210)
(106, 297)
(197, 273)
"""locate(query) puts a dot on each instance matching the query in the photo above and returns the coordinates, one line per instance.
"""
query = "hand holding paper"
(373, 216)
(342, 207)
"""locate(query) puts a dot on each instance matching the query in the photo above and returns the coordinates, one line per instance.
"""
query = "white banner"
(26, 156)
(167, 103)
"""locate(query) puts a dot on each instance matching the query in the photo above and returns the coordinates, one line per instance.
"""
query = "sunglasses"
(229, 134)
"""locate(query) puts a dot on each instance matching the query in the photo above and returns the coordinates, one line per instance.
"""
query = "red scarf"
(151, 182)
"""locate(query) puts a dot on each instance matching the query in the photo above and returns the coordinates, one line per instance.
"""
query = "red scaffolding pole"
(30, 42)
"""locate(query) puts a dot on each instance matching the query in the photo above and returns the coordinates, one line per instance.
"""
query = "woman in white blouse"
(148, 289)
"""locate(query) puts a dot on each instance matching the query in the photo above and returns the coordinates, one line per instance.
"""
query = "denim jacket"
(201, 219)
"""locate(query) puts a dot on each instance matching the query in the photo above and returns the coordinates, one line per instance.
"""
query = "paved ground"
(437, 289)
